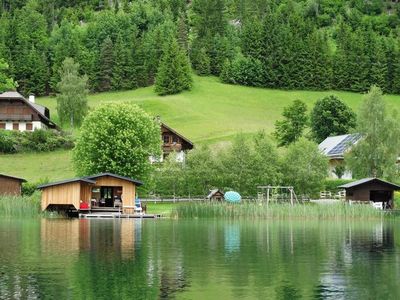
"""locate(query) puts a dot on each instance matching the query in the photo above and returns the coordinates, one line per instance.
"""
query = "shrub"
(243, 70)
(332, 185)
(7, 141)
(36, 141)
(29, 188)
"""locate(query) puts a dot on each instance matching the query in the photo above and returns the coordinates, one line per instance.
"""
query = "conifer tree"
(173, 74)
(202, 65)
(123, 75)
(105, 67)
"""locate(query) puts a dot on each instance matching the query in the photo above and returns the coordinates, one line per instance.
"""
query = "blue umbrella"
(232, 197)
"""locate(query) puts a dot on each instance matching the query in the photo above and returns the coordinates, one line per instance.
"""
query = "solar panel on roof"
(340, 148)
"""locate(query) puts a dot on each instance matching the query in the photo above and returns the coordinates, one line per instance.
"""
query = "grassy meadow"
(211, 112)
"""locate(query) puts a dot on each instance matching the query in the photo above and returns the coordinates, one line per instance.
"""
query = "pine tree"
(202, 65)
(64, 42)
(105, 67)
(123, 75)
(173, 74)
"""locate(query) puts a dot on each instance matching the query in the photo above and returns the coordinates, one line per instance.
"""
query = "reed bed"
(20, 206)
(275, 211)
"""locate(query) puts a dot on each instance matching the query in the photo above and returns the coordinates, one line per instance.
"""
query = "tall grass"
(20, 206)
(275, 211)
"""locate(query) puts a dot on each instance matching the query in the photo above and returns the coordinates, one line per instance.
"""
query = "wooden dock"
(105, 215)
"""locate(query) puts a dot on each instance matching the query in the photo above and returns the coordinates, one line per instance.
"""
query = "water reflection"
(164, 259)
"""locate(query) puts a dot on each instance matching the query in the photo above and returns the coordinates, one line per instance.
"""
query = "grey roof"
(37, 107)
(336, 146)
(12, 177)
(11, 95)
(116, 176)
(367, 180)
(66, 181)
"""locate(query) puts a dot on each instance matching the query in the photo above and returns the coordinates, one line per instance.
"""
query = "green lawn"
(211, 112)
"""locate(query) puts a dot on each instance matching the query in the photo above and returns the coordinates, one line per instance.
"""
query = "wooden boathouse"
(105, 190)
(373, 190)
(10, 185)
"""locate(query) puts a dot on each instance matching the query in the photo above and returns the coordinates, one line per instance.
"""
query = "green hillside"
(210, 113)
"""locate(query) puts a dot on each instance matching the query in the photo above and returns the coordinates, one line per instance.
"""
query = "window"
(15, 126)
(166, 138)
(29, 126)
(175, 139)
(2, 125)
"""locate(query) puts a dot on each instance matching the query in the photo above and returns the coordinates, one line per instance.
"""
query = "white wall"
(22, 125)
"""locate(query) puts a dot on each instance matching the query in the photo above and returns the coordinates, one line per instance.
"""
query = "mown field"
(211, 112)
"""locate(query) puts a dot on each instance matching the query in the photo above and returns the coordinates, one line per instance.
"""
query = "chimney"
(32, 98)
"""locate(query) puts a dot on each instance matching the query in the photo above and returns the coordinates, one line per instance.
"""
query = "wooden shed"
(10, 185)
(371, 190)
(216, 195)
(103, 189)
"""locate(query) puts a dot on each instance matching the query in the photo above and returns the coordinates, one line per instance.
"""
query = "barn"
(10, 185)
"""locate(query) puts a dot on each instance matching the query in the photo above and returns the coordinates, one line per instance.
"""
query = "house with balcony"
(18, 113)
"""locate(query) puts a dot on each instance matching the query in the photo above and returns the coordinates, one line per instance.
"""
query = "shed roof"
(368, 180)
(12, 177)
(12, 95)
(66, 181)
(137, 182)
(336, 146)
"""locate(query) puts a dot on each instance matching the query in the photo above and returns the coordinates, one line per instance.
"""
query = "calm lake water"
(198, 259)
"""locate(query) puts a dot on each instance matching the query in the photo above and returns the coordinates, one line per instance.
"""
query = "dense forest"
(310, 44)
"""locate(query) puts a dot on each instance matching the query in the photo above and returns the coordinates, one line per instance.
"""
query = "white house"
(18, 113)
(335, 147)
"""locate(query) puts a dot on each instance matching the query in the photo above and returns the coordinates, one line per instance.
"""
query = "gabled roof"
(137, 182)
(66, 181)
(36, 107)
(213, 192)
(368, 180)
(13, 177)
(178, 134)
(336, 146)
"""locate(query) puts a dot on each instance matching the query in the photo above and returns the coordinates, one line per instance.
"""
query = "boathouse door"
(107, 193)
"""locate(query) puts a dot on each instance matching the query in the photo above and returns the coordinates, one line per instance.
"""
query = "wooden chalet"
(101, 190)
(10, 185)
(216, 195)
(373, 190)
(172, 141)
(18, 113)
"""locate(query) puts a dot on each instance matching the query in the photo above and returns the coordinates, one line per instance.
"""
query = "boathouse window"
(2, 125)
(15, 126)
(166, 138)
(29, 126)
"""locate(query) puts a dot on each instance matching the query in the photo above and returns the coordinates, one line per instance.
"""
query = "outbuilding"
(215, 195)
(10, 185)
(101, 190)
(371, 190)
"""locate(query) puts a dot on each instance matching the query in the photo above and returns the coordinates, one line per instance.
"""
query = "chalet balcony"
(15, 117)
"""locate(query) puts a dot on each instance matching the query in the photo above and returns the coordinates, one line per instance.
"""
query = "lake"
(198, 259)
